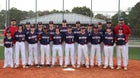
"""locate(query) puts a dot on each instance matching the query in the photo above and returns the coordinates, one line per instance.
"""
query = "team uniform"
(26, 31)
(51, 32)
(120, 46)
(95, 47)
(82, 48)
(32, 40)
(69, 48)
(108, 49)
(63, 31)
(57, 47)
(8, 60)
(20, 47)
(45, 48)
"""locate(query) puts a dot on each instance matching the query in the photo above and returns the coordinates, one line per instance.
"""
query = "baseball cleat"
(87, 66)
(60, 66)
(37, 65)
(84, 65)
(16, 66)
(105, 67)
(125, 68)
(73, 66)
(78, 66)
(4, 66)
(23, 66)
(111, 67)
(119, 67)
(48, 65)
(65, 66)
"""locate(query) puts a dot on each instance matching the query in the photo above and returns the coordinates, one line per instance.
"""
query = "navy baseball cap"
(77, 22)
(108, 22)
(20, 25)
(90, 24)
(99, 23)
(69, 26)
(27, 23)
(39, 23)
(64, 21)
(8, 31)
(13, 19)
(95, 27)
(45, 27)
(32, 26)
(121, 19)
(57, 27)
(50, 22)
(82, 27)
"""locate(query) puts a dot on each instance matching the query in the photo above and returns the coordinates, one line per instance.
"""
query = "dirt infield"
(57, 72)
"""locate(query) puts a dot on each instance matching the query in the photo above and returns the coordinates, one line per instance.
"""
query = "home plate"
(69, 69)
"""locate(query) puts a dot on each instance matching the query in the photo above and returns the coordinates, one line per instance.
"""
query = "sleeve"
(4, 41)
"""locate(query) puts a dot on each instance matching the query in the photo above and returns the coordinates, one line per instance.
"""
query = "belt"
(82, 44)
(108, 45)
(9, 47)
(69, 43)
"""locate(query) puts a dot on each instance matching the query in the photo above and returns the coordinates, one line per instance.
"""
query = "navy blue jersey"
(120, 39)
(19, 36)
(64, 30)
(69, 38)
(57, 39)
(76, 33)
(109, 39)
(89, 35)
(83, 38)
(102, 32)
(32, 38)
(51, 32)
(96, 38)
(8, 42)
(45, 39)
(39, 32)
(26, 33)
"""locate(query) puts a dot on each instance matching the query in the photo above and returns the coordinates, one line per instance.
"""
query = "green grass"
(134, 53)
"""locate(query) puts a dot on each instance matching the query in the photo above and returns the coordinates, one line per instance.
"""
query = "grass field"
(134, 53)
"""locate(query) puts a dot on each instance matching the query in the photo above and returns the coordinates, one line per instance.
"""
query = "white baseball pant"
(57, 48)
(45, 50)
(102, 53)
(33, 51)
(8, 57)
(83, 49)
(20, 47)
(121, 51)
(89, 47)
(26, 50)
(127, 52)
(108, 55)
(97, 49)
(38, 51)
(69, 53)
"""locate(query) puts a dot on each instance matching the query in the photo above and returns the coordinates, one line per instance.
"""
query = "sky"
(98, 5)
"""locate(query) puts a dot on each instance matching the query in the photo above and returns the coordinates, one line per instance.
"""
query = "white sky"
(98, 5)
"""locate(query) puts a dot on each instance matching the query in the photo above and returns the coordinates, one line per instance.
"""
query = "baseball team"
(42, 45)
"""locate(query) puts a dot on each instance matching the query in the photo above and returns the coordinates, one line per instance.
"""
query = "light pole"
(8, 14)
(119, 9)
(91, 12)
(36, 13)
(63, 10)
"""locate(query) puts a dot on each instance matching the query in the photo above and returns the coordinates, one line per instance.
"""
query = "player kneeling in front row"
(108, 48)
(96, 39)
(82, 47)
(32, 40)
(45, 46)
(20, 46)
(8, 44)
(69, 47)
(57, 47)
(120, 47)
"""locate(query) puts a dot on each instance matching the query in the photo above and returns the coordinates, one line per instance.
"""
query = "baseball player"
(108, 48)
(45, 46)
(20, 46)
(120, 40)
(57, 47)
(39, 31)
(109, 25)
(69, 47)
(101, 31)
(76, 32)
(8, 43)
(82, 47)
(32, 40)
(96, 39)
(51, 31)
(12, 28)
(126, 31)
(63, 30)
(27, 30)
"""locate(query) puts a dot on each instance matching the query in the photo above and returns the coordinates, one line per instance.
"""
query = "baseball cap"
(69, 26)
(82, 27)
(8, 31)
(32, 26)
(64, 21)
(120, 28)
(77, 22)
(121, 19)
(45, 27)
(108, 22)
(95, 27)
(39, 23)
(27, 23)
(20, 25)
(90, 24)
(13, 19)
(99, 23)
(57, 27)
(50, 22)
